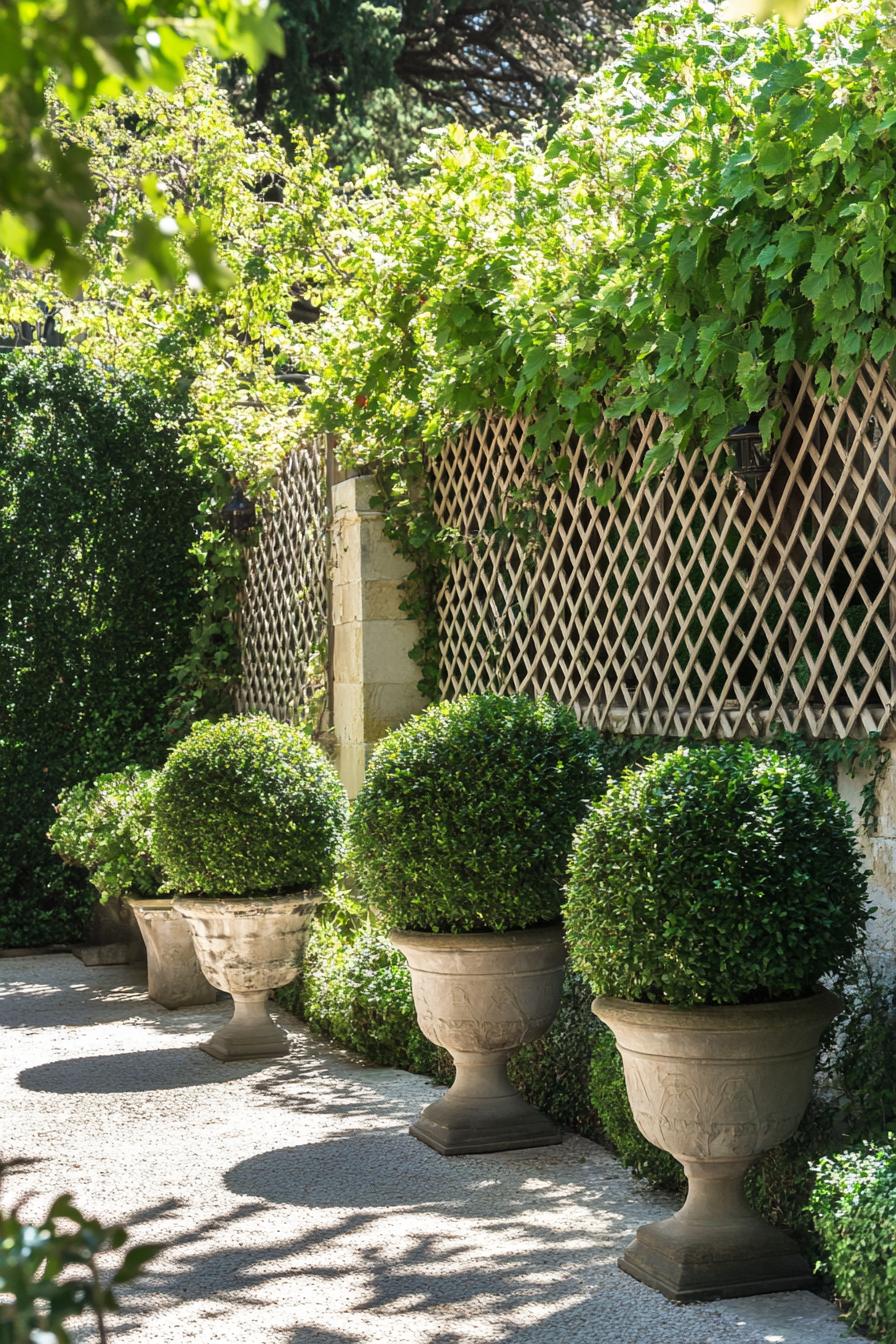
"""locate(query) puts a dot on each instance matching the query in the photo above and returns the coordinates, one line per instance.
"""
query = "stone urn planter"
(481, 996)
(175, 979)
(114, 938)
(247, 824)
(248, 946)
(716, 1087)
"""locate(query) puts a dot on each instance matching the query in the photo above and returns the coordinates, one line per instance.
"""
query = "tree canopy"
(374, 74)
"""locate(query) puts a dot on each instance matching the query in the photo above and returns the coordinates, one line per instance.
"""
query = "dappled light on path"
(293, 1206)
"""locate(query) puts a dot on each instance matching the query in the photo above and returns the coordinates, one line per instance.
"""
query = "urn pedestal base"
(248, 946)
(482, 1112)
(717, 1087)
(481, 996)
(716, 1246)
(250, 1033)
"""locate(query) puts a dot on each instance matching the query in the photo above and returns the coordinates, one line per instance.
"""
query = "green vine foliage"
(718, 204)
(96, 523)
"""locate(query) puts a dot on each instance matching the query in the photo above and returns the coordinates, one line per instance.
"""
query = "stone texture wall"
(880, 852)
(374, 676)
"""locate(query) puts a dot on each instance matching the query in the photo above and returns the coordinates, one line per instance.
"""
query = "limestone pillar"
(375, 679)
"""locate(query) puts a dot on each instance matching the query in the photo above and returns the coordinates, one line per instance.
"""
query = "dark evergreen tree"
(374, 74)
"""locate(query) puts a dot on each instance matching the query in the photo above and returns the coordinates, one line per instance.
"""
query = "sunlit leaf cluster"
(82, 50)
(718, 203)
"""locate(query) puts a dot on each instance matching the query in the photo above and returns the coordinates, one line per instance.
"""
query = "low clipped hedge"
(467, 813)
(853, 1205)
(716, 875)
(105, 827)
(247, 806)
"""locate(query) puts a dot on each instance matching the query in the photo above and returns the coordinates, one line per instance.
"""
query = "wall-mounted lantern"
(752, 462)
(238, 513)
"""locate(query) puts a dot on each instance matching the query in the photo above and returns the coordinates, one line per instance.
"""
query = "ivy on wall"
(97, 601)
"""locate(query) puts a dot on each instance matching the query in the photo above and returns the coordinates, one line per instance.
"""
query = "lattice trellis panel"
(283, 611)
(692, 605)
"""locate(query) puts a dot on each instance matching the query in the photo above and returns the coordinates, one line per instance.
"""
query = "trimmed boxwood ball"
(247, 806)
(467, 814)
(715, 875)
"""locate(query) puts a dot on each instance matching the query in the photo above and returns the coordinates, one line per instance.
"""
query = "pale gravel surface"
(295, 1208)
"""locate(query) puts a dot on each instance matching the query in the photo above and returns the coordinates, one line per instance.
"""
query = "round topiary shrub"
(715, 875)
(467, 814)
(247, 806)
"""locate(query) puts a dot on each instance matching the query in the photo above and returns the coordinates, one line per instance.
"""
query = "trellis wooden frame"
(283, 611)
(691, 605)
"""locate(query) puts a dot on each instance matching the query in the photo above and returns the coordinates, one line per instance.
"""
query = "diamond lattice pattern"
(692, 604)
(283, 610)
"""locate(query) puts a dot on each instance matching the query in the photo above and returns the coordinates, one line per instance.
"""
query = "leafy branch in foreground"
(82, 52)
(50, 1272)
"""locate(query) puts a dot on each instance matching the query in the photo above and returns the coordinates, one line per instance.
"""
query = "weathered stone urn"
(114, 938)
(174, 977)
(482, 996)
(716, 1088)
(248, 946)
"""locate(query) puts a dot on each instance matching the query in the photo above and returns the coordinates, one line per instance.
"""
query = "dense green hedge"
(97, 517)
(854, 1208)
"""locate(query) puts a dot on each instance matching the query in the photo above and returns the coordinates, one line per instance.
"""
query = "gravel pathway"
(295, 1209)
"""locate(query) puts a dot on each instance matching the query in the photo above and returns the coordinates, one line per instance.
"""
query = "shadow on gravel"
(413, 1227)
(33, 1003)
(317, 1079)
(135, 1071)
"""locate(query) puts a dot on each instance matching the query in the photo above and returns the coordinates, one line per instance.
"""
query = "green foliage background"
(716, 205)
(97, 519)
(83, 52)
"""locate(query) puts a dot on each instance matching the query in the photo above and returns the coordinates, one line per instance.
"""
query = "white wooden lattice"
(692, 604)
(283, 610)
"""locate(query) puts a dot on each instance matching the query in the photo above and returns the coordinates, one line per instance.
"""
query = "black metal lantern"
(751, 461)
(239, 512)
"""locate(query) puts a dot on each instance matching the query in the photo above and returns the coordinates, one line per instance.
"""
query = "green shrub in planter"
(718, 875)
(247, 806)
(467, 813)
(853, 1205)
(105, 827)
